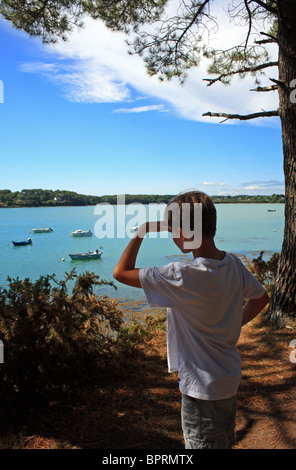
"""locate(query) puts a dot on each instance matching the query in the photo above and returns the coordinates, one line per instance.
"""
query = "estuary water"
(244, 229)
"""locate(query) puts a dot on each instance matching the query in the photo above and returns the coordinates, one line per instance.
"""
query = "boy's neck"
(208, 249)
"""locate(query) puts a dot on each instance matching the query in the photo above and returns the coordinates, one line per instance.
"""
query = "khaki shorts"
(208, 424)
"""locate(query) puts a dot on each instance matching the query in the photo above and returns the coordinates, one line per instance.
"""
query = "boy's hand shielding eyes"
(125, 270)
(153, 226)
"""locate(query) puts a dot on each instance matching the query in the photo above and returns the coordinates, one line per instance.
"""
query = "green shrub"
(265, 271)
(136, 333)
(52, 339)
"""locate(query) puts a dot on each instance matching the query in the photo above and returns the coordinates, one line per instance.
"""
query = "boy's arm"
(253, 307)
(125, 270)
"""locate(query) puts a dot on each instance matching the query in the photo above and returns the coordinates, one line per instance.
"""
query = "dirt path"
(136, 404)
(267, 395)
(266, 416)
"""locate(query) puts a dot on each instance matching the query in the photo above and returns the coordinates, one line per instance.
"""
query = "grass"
(135, 404)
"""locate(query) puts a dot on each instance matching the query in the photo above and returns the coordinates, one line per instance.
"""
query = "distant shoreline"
(108, 203)
(62, 198)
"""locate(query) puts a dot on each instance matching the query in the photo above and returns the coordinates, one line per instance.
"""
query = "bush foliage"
(52, 338)
(265, 271)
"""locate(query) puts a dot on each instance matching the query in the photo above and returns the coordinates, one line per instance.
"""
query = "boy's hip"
(208, 423)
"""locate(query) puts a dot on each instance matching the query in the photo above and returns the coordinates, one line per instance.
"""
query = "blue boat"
(25, 242)
(89, 255)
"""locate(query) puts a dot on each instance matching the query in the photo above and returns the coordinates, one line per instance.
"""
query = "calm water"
(245, 229)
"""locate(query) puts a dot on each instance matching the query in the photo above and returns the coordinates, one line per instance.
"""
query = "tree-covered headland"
(48, 197)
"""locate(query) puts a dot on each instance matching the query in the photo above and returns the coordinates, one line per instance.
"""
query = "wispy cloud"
(264, 185)
(142, 109)
(39, 67)
(256, 188)
(82, 82)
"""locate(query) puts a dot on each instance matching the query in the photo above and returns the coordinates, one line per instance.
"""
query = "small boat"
(89, 255)
(42, 230)
(271, 210)
(25, 242)
(82, 233)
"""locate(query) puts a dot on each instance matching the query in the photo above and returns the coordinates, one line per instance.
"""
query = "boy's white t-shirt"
(204, 316)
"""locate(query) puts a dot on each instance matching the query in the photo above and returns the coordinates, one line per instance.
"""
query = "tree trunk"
(283, 299)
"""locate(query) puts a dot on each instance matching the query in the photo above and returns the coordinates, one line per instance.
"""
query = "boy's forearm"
(129, 256)
(125, 270)
(253, 307)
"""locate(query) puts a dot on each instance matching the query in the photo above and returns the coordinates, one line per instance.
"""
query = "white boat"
(42, 230)
(134, 228)
(89, 255)
(82, 233)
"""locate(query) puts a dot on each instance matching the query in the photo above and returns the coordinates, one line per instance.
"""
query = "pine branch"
(265, 41)
(266, 7)
(278, 83)
(265, 88)
(240, 71)
(250, 22)
(241, 117)
(271, 39)
(196, 15)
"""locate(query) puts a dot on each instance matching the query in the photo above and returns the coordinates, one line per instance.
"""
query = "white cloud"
(82, 82)
(94, 66)
(258, 184)
(251, 187)
(255, 188)
(39, 67)
(142, 109)
(268, 186)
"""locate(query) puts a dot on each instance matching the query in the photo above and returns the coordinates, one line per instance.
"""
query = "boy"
(204, 299)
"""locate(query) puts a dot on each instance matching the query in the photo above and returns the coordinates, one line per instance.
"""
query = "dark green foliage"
(137, 333)
(46, 197)
(54, 19)
(52, 339)
(265, 271)
(237, 59)
(124, 15)
(49, 19)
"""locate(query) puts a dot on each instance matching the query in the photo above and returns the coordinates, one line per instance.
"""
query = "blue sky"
(84, 116)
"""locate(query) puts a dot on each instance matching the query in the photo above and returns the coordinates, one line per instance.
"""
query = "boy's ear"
(177, 232)
(183, 235)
